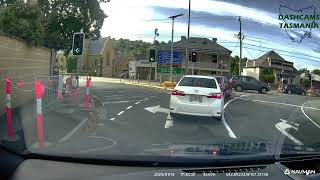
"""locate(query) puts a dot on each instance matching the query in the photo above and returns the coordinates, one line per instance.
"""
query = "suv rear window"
(198, 82)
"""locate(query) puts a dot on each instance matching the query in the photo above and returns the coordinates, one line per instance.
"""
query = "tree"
(267, 75)
(63, 18)
(22, 20)
(51, 22)
(316, 71)
(234, 66)
(71, 64)
(302, 70)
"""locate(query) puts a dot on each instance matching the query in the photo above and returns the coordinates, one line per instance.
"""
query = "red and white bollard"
(60, 88)
(39, 87)
(87, 93)
(8, 109)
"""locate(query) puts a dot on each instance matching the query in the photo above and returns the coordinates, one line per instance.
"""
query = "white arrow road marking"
(282, 126)
(154, 109)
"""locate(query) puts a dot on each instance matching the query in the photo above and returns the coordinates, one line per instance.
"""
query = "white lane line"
(112, 119)
(137, 102)
(120, 113)
(112, 96)
(129, 107)
(285, 104)
(307, 115)
(116, 102)
(229, 130)
(169, 121)
(146, 98)
(70, 134)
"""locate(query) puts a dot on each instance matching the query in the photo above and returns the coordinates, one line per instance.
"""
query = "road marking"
(116, 102)
(229, 130)
(169, 121)
(137, 102)
(111, 119)
(271, 102)
(70, 134)
(307, 115)
(146, 98)
(129, 107)
(112, 96)
(154, 109)
(120, 113)
(282, 126)
(168, 124)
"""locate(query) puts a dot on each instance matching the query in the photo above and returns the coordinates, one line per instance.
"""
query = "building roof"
(96, 46)
(259, 62)
(201, 44)
(313, 76)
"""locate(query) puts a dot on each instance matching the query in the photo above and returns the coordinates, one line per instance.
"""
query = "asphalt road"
(133, 119)
(136, 118)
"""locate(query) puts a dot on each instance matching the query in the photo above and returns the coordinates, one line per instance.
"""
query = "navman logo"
(298, 23)
(305, 172)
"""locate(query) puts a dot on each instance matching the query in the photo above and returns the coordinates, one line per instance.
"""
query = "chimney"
(214, 40)
(183, 38)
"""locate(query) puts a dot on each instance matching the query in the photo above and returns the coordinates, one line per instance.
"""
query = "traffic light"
(77, 46)
(194, 56)
(152, 57)
(281, 75)
(189, 57)
(309, 76)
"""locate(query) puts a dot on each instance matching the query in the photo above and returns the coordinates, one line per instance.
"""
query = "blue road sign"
(164, 57)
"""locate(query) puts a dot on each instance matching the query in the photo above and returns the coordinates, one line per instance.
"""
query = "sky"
(137, 19)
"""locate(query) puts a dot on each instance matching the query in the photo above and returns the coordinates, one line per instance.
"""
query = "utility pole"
(188, 36)
(240, 38)
(171, 59)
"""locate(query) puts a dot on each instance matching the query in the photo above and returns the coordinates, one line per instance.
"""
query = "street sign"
(77, 46)
(165, 56)
(166, 69)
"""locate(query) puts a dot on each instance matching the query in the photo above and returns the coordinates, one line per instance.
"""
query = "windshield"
(116, 78)
(198, 82)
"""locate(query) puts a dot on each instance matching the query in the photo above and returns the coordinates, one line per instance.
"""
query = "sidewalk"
(58, 120)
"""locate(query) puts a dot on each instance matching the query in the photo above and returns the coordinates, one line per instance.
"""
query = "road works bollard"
(39, 91)
(8, 109)
(87, 93)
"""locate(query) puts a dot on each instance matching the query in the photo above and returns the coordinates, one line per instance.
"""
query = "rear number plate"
(195, 98)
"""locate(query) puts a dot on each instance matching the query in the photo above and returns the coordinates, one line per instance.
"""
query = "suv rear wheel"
(238, 88)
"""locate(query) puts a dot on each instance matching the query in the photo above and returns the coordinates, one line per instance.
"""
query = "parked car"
(240, 83)
(125, 74)
(197, 95)
(294, 89)
(224, 85)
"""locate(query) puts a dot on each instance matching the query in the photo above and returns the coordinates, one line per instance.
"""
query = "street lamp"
(171, 59)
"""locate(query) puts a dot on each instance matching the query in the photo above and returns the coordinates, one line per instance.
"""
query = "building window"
(214, 58)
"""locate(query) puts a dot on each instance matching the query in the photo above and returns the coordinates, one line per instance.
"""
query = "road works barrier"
(46, 93)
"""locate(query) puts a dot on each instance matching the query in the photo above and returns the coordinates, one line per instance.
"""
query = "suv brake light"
(215, 95)
(177, 93)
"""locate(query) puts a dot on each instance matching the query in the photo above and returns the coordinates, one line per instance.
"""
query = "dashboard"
(14, 167)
